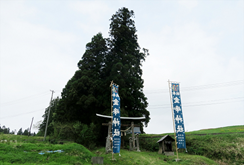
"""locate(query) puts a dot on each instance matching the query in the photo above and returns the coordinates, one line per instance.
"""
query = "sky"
(198, 43)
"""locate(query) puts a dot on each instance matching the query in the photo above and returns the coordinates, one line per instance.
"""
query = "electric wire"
(24, 98)
(204, 101)
(200, 87)
(201, 104)
(20, 114)
(212, 102)
(220, 101)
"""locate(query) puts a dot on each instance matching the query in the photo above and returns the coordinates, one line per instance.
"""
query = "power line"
(236, 98)
(22, 104)
(20, 114)
(24, 98)
(200, 87)
(223, 101)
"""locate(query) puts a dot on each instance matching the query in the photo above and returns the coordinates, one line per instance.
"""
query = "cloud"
(11, 10)
(34, 58)
(187, 53)
(189, 4)
(40, 48)
(186, 47)
(94, 15)
(93, 10)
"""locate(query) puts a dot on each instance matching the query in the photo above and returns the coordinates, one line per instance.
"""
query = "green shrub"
(149, 144)
(86, 135)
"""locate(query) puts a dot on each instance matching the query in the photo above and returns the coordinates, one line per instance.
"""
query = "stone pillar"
(133, 135)
(163, 146)
(160, 151)
(97, 160)
(108, 143)
(130, 142)
(109, 128)
(137, 143)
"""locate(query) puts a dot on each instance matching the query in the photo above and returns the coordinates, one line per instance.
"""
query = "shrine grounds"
(210, 146)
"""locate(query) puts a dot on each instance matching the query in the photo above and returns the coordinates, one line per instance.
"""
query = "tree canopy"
(118, 58)
(124, 63)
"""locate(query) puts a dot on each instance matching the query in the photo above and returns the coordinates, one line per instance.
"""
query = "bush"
(149, 144)
(86, 135)
(78, 132)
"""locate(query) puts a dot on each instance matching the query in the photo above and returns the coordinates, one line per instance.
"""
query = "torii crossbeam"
(108, 148)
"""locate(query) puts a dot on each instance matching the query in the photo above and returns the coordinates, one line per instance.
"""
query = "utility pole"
(30, 127)
(48, 115)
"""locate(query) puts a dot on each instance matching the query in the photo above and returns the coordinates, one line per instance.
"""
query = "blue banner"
(116, 120)
(178, 116)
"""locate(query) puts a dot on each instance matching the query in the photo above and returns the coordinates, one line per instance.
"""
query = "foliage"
(26, 131)
(62, 131)
(5, 130)
(87, 92)
(123, 65)
(86, 134)
(77, 132)
(20, 132)
(149, 144)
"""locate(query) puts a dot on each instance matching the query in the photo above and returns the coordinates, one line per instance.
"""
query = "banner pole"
(111, 85)
(173, 119)
(184, 124)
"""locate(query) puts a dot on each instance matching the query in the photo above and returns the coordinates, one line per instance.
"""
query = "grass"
(26, 151)
(152, 158)
(230, 129)
(226, 148)
(208, 149)
(29, 153)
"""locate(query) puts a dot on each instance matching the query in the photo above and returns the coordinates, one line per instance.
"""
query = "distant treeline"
(6, 130)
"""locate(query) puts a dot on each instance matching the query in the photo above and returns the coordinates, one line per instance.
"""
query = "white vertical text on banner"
(116, 119)
(178, 116)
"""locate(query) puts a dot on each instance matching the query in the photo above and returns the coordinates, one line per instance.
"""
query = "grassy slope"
(230, 129)
(26, 151)
(227, 148)
(223, 148)
(152, 158)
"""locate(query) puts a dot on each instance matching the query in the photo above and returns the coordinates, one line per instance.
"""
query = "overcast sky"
(198, 43)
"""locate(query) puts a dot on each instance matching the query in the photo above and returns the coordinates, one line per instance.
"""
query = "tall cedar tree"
(82, 96)
(123, 64)
(118, 59)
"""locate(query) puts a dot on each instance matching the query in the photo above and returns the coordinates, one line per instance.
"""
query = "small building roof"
(166, 137)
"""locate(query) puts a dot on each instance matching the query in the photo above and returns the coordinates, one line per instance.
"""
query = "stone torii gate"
(134, 139)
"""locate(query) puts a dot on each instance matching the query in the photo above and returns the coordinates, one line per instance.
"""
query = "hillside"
(224, 145)
(21, 149)
(211, 148)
